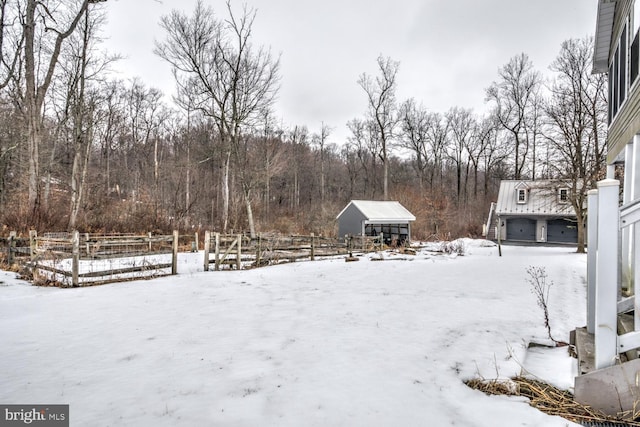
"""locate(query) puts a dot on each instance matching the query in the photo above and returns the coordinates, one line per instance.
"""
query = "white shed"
(371, 217)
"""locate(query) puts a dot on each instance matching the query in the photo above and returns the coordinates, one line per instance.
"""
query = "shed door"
(521, 229)
(562, 231)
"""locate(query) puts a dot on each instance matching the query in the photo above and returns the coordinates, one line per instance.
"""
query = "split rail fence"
(238, 250)
(16, 249)
(80, 259)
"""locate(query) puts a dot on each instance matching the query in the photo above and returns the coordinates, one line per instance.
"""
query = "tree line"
(80, 149)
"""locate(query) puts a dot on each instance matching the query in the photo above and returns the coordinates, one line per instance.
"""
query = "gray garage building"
(535, 211)
(371, 217)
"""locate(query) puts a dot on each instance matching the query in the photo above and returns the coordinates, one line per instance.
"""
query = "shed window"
(521, 195)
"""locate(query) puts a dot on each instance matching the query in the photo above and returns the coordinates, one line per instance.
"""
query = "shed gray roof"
(381, 211)
(542, 199)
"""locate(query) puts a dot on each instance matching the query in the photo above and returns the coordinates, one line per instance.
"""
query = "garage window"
(563, 195)
(521, 195)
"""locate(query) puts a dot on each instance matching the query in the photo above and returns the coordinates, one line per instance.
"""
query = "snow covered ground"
(324, 343)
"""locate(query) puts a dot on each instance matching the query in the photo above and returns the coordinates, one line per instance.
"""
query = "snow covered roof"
(387, 211)
(540, 198)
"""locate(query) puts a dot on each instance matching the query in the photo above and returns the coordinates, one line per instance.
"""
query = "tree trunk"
(225, 193)
(79, 178)
(35, 136)
(385, 173)
(247, 201)
(34, 93)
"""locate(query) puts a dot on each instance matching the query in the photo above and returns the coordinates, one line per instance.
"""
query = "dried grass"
(548, 399)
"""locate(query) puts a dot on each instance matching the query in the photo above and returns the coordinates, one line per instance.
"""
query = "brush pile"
(550, 400)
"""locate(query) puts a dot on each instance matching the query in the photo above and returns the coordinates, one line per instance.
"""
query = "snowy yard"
(323, 343)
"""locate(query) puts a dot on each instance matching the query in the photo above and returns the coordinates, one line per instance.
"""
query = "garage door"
(521, 229)
(562, 231)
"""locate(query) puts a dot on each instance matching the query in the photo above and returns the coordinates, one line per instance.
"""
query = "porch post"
(606, 295)
(635, 169)
(592, 250)
(634, 270)
(626, 233)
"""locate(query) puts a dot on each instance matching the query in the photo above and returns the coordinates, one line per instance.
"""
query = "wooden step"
(626, 324)
(585, 350)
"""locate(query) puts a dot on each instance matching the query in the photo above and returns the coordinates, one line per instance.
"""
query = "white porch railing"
(606, 221)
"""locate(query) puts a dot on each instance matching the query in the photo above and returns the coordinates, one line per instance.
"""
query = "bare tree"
(297, 140)
(237, 82)
(382, 109)
(366, 146)
(320, 140)
(109, 127)
(494, 151)
(576, 114)
(461, 124)
(81, 67)
(414, 121)
(39, 67)
(273, 158)
(437, 137)
(515, 97)
(10, 137)
(11, 41)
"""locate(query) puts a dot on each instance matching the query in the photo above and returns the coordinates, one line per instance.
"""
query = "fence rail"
(14, 249)
(239, 250)
(77, 259)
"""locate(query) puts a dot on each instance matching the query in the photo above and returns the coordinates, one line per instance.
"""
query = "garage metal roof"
(381, 211)
(542, 199)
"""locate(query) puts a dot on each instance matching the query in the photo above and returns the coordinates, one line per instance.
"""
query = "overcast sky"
(449, 51)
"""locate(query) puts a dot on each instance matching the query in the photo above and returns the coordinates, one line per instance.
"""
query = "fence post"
(197, 242)
(606, 294)
(11, 247)
(174, 254)
(33, 243)
(207, 247)
(592, 251)
(313, 246)
(217, 251)
(259, 250)
(239, 258)
(75, 261)
(149, 241)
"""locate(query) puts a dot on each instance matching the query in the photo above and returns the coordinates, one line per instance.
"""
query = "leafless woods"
(80, 148)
